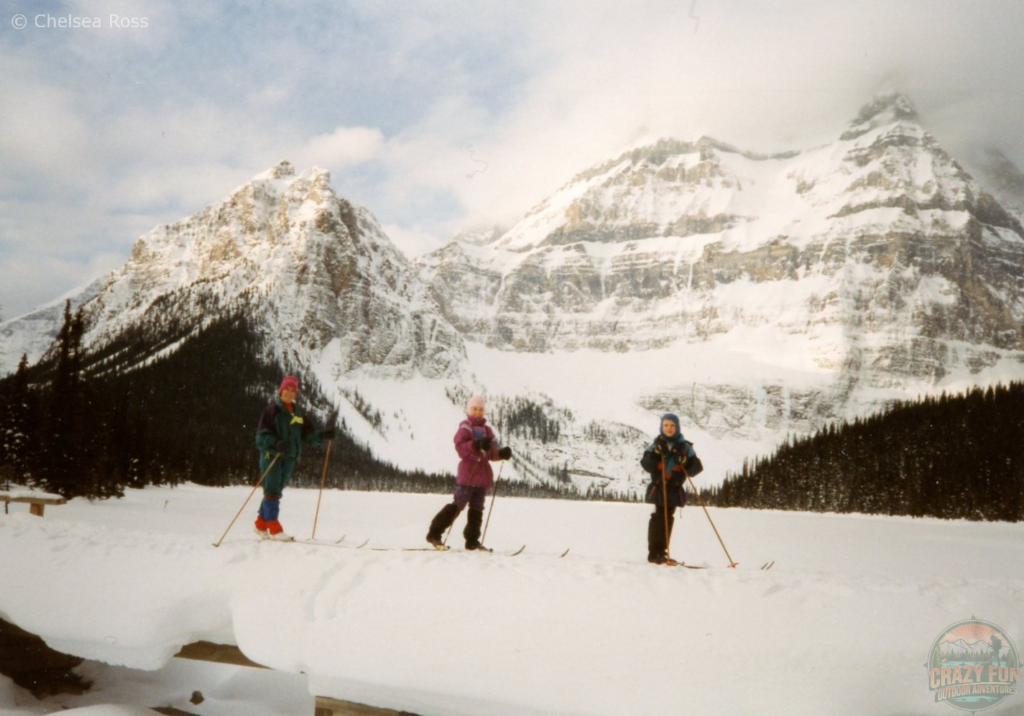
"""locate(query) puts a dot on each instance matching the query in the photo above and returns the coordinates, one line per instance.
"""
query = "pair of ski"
(672, 563)
(445, 548)
(322, 543)
(442, 548)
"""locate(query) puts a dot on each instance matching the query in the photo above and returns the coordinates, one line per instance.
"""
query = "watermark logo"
(973, 665)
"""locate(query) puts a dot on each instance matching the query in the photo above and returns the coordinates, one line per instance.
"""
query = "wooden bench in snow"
(37, 501)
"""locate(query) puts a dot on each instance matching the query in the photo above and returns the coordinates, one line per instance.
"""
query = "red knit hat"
(290, 381)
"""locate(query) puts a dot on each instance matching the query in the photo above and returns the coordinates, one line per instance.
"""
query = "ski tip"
(518, 551)
(564, 553)
(363, 544)
(340, 539)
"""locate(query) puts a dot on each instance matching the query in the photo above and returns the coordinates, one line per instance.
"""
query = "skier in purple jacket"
(477, 447)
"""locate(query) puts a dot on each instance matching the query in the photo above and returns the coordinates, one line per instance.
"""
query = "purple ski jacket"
(474, 466)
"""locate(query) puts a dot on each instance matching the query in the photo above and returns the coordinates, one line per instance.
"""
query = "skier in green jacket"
(281, 432)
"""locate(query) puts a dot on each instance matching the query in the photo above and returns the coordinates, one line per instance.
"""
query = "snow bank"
(842, 624)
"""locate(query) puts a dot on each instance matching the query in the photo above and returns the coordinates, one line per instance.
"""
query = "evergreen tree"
(63, 455)
(20, 422)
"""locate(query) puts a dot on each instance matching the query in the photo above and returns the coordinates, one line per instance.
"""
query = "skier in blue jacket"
(668, 459)
(281, 432)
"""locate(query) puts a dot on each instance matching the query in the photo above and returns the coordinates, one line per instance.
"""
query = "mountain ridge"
(876, 256)
(788, 290)
(321, 267)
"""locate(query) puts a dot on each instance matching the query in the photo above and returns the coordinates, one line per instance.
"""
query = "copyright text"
(45, 21)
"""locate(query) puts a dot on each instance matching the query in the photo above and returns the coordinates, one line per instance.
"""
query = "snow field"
(841, 625)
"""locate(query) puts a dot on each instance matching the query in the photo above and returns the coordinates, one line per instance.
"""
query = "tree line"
(951, 456)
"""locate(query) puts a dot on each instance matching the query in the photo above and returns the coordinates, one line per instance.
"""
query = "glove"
(327, 434)
(505, 453)
(282, 446)
(696, 467)
(483, 444)
(660, 445)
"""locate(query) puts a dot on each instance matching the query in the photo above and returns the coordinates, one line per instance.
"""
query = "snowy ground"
(842, 624)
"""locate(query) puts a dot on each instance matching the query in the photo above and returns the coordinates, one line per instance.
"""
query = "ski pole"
(494, 496)
(732, 564)
(265, 473)
(323, 479)
(445, 540)
(664, 510)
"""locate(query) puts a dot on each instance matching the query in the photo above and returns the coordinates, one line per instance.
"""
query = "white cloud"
(41, 130)
(343, 147)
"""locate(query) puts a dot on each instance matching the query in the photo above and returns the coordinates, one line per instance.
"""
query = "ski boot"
(475, 521)
(441, 522)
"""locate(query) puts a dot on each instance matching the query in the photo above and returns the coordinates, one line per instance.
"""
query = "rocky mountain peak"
(282, 170)
(882, 110)
(313, 270)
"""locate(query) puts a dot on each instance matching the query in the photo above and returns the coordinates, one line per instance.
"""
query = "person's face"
(288, 394)
(668, 428)
(476, 411)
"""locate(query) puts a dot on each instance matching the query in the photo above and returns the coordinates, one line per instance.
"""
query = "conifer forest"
(952, 456)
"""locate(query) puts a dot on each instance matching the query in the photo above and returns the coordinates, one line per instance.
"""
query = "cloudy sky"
(439, 115)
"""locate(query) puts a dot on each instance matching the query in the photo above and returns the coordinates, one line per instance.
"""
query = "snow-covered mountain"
(316, 270)
(757, 295)
(869, 269)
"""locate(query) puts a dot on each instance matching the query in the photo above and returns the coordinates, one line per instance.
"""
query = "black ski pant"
(448, 514)
(657, 541)
(474, 522)
(442, 521)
